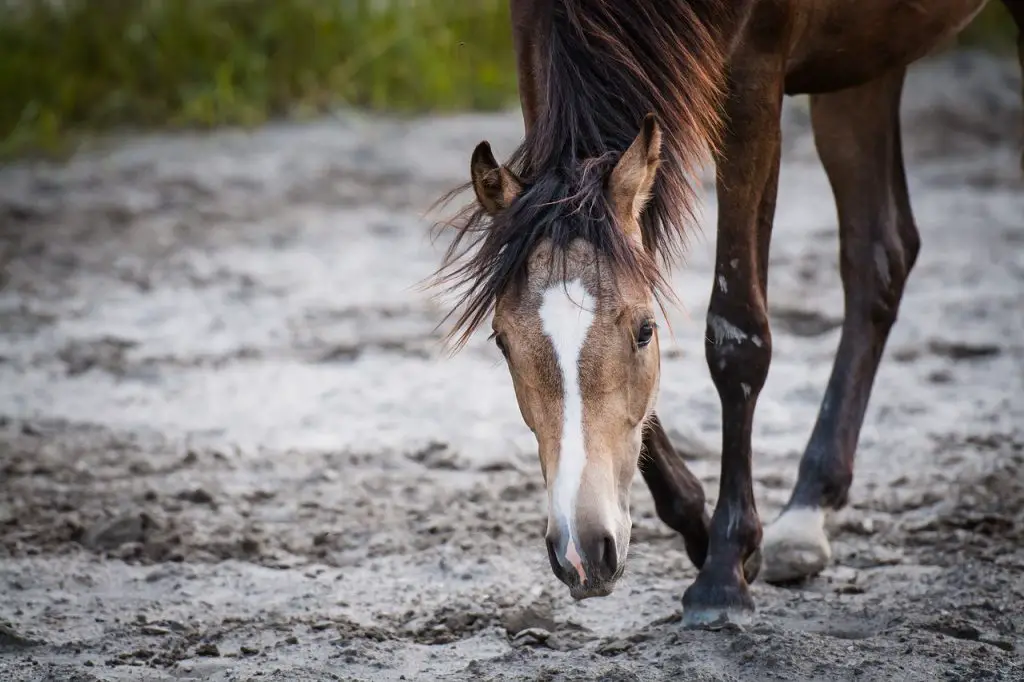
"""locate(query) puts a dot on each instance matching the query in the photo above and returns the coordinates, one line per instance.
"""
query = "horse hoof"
(717, 619)
(714, 605)
(795, 546)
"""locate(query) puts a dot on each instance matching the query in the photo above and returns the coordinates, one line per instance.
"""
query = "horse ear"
(495, 185)
(632, 178)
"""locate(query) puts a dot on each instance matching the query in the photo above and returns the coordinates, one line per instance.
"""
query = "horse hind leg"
(679, 498)
(678, 494)
(857, 134)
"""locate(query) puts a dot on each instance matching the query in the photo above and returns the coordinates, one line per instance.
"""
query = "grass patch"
(69, 67)
(993, 29)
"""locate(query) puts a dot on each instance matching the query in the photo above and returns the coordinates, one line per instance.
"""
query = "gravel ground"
(232, 447)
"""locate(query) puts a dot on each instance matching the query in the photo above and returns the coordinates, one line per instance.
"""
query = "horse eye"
(644, 333)
(500, 343)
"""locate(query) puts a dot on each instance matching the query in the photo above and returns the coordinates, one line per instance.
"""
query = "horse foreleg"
(857, 133)
(1016, 9)
(738, 340)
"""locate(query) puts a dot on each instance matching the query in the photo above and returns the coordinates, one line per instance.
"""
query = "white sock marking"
(795, 545)
(566, 313)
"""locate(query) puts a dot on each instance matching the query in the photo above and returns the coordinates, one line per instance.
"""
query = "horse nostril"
(609, 556)
(556, 565)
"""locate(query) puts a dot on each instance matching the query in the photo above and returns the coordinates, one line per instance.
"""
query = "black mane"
(608, 64)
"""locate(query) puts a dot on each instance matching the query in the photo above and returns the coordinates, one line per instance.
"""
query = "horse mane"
(606, 65)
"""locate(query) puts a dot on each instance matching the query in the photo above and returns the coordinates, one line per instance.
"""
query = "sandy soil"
(232, 448)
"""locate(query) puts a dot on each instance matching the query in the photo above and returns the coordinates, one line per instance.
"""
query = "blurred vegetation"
(993, 28)
(74, 66)
(89, 65)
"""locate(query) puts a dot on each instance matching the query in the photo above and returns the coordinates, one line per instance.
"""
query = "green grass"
(993, 28)
(69, 67)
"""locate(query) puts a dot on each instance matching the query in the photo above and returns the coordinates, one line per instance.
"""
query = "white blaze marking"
(566, 313)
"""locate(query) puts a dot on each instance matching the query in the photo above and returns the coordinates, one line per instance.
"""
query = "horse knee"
(738, 351)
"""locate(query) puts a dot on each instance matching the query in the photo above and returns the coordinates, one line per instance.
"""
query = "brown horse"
(567, 242)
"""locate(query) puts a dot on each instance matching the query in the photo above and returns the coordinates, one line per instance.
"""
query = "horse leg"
(679, 496)
(738, 340)
(857, 134)
(1016, 9)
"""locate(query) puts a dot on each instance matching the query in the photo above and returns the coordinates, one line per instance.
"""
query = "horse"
(567, 243)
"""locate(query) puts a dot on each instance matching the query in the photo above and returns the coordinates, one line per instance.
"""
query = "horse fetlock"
(718, 597)
(752, 566)
(795, 546)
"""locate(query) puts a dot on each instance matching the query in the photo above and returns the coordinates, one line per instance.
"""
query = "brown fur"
(587, 196)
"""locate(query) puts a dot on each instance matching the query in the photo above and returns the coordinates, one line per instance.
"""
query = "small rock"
(537, 616)
(1003, 644)
(531, 637)
(128, 550)
(207, 649)
(963, 351)
(159, 573)
(175, 626)
(850, 589)
(30, 430)
(438, 456)
(155, 630)
(197, 496)
(248, 650)
(291, 640)
(11, 639)
(121, 530)
(249, 545)
(614, 647)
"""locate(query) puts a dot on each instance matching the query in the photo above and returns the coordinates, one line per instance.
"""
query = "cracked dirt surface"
(232, 448)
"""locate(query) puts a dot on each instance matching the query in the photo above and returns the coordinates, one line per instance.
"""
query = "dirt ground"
(232, 448)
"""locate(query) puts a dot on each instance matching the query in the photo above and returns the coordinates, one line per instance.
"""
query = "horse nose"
(588, 558)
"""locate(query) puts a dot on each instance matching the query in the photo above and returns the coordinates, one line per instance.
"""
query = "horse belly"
(843, 43)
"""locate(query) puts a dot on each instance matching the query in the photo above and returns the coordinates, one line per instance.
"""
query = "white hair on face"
(566, 313)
